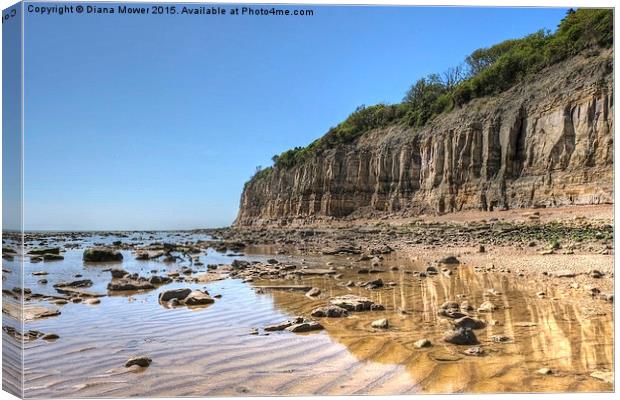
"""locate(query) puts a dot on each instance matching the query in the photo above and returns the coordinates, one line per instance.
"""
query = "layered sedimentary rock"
(545, 142)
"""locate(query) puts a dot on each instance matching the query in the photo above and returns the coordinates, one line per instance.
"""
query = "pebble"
(141, 361)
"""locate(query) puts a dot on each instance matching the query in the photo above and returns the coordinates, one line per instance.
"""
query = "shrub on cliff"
(359, 122)
(488, 71)
(499, 67)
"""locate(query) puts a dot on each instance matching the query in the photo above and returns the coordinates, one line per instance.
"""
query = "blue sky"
(156, 122)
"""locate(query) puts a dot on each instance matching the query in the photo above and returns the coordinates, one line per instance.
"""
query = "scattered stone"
(460, 336)
(352, 302)
(52, 257)
(329, 311)
(43, 251)
(278, 327)
(101, 254)
(129, 284)
(380, 324)
(313, 292)
(596, 274)
(50, 336)
(306, 326)
(291, 288)
(118, 273)
(430, 270)
(422, 343)
(92, 301)
(78, 283)
(487, 306)
(197, 297)
(544, 371)
(449, 260)
(469, 322)
(449, 304)
(500, 338)
(451, 313)
(179, 294)
(375, 284)
(141, 361)
(474, 351)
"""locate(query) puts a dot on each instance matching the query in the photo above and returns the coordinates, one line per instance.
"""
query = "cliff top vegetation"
(485, 72)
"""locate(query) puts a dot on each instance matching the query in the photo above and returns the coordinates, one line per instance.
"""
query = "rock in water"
(179, 294)
(52, 257)
(141, 361)
(461, 336)
(422, 343)
(380, 324)
(101, 254)
(487, 306)
(329, 311)
(50, 336)
(197, 298)
(78, 283)
(544, 371)
(352, 302)
(307, 326)
(469, 322)
(118, 273)
(43, 251)
(474, 351)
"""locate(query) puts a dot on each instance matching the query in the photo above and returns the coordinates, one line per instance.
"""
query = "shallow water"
(211, 351)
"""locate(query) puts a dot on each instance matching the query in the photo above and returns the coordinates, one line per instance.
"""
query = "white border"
(484, 3)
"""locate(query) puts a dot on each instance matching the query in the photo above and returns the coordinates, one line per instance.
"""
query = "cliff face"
(545, 142)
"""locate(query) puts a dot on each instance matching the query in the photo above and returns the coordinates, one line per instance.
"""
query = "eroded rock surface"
(546, 142)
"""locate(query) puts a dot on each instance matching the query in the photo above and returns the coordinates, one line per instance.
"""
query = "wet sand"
(223, 349)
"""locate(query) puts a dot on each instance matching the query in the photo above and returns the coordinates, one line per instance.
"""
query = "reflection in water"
(211, 351)
(552, 332)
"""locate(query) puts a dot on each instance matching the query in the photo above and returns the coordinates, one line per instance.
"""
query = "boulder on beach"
(449, 260)
(179, 294)
(461, 336)
(78, 283)
(329, 311)
(352, 302)
(47, 250)
(419, 344)
(141, 361)
(101, 254)
(130, 284)
(380, 324)
(198, 298)
(306, 326)
(487, 306)
(118, 273)
(469, 322)
(52, 257)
